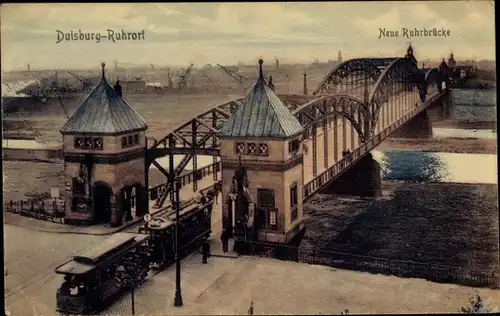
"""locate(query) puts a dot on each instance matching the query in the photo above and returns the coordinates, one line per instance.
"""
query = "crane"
(212, 82)
(236, 76)
(184, 78)
(170, 83)
(85, 82)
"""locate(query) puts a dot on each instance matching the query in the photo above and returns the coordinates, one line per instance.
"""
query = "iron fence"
(401, 268)
(47, 210)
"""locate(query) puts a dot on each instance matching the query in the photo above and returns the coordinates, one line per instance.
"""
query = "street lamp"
(127, 281)
(178, 294)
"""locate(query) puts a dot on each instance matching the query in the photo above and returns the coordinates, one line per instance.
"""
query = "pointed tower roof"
(104, 112)
(262, 115)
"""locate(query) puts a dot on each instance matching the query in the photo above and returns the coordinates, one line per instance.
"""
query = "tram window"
(136, 139)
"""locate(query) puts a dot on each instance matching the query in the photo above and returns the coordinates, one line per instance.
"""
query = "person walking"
(224, 237)
(205, 251)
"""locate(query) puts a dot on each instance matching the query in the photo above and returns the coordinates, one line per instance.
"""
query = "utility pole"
(178, 294)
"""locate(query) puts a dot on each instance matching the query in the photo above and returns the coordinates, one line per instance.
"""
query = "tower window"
(294, 200)
(88, 143)
(79, 143)
(273, 218)
(265, 198)
(293, 146)
(130, 141)
(252, 148)
(240, 148)
(97, 143)
(293, 196)
(263, 150)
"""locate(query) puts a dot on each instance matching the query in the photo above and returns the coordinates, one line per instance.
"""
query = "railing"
(40, 209)
(185, 179)
(338, 168)
(431, 272)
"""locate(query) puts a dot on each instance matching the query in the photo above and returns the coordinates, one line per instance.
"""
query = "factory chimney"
(305, 84)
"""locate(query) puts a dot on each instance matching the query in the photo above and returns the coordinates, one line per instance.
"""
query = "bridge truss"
(368, 97)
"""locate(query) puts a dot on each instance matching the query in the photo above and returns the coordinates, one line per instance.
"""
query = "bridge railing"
(342, 165)
(349, 261)
(185, 179)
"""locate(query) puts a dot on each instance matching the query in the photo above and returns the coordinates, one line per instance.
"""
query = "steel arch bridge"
(356, 106)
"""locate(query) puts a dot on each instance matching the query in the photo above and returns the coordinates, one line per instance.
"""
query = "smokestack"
(305, 84)
(118, 88)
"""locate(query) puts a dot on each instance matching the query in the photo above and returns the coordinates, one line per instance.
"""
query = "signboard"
(54, 193)
(147, 218)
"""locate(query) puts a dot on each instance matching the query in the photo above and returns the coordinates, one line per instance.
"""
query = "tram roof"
(103, 252)
(166, 220)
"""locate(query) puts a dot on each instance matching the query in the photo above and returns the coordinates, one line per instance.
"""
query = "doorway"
(130, 201)
(102, 193)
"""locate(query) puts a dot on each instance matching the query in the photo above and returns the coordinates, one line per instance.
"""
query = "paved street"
(30, 255)
(228, 285)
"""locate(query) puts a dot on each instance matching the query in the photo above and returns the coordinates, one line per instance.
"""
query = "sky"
(178, 34)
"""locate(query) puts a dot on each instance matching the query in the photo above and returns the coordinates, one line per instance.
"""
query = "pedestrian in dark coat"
(224, 237)
(205, 251)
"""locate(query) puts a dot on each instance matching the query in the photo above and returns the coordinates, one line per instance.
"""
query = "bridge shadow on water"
(438, 224)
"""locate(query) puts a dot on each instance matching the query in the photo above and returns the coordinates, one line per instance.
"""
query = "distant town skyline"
(207, 33)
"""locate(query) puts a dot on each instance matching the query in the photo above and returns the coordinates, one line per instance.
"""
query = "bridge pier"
(441, 110)
(418, 127)
(362, 179)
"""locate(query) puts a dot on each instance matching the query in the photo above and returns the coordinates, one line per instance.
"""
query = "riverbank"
(437, 223)
(24, 179)
(465, 124)
(448, 145)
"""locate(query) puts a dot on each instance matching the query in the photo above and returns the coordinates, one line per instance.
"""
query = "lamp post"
(178, 294)
(127, 281)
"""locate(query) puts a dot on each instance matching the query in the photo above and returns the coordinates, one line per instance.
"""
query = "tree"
(476, 306)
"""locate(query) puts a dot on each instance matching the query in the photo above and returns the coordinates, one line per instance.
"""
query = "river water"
(466, 105)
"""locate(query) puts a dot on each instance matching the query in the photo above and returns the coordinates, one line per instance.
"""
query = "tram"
(195, 226)
(96, 278)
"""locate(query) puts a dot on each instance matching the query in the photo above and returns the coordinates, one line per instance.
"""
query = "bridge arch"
(400, 71)
(328, 106)
(433, 76)
(337, 74)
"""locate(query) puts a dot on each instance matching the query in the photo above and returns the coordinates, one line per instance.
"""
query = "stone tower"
(410, 55)
(451, 61)
(104, 158)
(262, 177)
